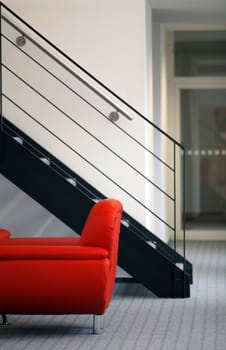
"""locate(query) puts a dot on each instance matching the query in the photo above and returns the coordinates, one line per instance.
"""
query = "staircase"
(68, 141)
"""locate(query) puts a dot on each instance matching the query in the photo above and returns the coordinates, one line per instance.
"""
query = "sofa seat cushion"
(15, 252)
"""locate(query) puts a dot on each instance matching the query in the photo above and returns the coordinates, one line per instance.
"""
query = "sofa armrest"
(4, 233)
(29, 252)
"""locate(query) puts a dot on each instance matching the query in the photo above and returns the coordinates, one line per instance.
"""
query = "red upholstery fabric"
(53, 286)
(4, 234)
(101, 229)
(40, 241)
(101, 223)
(62, 275)
(12, 252)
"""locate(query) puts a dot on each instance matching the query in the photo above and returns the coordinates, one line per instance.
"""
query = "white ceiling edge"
(209, 6)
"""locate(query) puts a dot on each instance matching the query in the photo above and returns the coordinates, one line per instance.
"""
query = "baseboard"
(204, 235)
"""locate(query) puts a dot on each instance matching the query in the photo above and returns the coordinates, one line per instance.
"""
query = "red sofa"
(62, 275)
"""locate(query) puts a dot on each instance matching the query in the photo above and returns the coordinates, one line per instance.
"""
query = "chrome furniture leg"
(98, 324)
(4, 320)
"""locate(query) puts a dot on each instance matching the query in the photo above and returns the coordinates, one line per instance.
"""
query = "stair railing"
(71, 79)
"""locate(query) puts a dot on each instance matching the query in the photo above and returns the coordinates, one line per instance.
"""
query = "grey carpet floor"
(138, 320)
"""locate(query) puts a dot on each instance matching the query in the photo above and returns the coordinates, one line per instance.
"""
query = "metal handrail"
(89, 133)
(90, 86)
(88, 162)
(86, 72)
(86, 101)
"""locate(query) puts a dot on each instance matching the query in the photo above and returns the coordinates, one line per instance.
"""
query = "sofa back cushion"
(102, 226)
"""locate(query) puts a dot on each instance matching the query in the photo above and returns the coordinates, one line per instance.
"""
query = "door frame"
(170, 103)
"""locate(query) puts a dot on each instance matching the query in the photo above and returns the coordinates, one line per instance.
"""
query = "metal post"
(1, 116)
(183, 221)
(175, 217)
(175, 199)
(98, 324)
(4, 320)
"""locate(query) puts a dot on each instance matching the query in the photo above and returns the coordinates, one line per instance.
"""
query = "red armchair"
(63, 275)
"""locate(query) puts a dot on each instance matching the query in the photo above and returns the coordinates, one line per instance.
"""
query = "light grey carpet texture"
(136, 319)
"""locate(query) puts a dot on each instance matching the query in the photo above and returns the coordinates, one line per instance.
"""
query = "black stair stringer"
(160, 246)
(139, 229)
(150, 266)
(44, 185)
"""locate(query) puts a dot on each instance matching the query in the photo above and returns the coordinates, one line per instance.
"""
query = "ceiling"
(204, 6)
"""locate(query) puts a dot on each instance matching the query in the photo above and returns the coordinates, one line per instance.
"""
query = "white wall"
(112, 40)
(105, 37)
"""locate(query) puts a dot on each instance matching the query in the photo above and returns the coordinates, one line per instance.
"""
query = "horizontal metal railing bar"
(58, 173)
(86, 72)
(146, 236)
(90, 134)
(147, 239)
(87, 161)
(46, 154)
(37, 153)
(99, 93)
(53, 75)
(63, 173)
(160, 245)
(90, 104)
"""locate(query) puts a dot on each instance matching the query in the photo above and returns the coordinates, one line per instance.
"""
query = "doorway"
(203, 132)
(196, 105)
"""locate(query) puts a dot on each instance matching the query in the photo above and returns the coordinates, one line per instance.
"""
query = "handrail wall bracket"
(114, 116)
